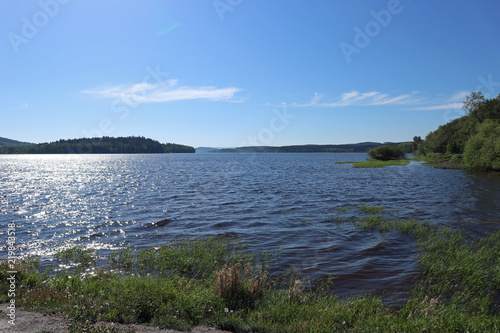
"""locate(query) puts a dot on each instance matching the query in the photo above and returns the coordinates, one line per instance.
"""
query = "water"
(272, 201)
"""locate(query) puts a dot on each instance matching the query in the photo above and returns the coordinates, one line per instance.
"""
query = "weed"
(237, 285)
(217, 282)
(373, 210)
(78, 257)
(344, 208)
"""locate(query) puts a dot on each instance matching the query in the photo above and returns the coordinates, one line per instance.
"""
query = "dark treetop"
(104, 145)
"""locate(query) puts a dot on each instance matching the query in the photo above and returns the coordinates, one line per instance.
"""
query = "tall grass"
(217, 281)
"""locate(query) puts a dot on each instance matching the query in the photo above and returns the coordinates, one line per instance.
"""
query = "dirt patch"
(36, 322)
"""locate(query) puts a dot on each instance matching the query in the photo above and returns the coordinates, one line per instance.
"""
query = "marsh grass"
(374, 210)
(441, 161)
(345, 209)
(218, 282)
(458, 270)
(77, 257)
(191, 258)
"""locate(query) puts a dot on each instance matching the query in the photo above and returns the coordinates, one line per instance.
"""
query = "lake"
(273, 201)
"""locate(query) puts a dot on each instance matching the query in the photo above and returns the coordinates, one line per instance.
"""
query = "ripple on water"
(273, 201)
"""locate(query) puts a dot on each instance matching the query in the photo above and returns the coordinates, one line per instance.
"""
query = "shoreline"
(36, 322)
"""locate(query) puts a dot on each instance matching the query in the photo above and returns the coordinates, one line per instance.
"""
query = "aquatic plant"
(374, 210)
(218, 282)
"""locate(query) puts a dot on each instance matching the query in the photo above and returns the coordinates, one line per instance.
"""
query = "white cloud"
(440, 107)
(317, 97)
(165, 92)
(356, 98)
(459, 96)
(454, 102)
(410, 101)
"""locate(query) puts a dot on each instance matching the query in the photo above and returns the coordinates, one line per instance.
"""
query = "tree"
(482, 151)
(407, 147)
(386, 153)
(473, 101)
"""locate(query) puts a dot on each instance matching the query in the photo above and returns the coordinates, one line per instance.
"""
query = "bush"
(386, 153)
(482, 151)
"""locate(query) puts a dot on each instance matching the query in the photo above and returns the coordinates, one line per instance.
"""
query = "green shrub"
(386, 153)
(482, 151)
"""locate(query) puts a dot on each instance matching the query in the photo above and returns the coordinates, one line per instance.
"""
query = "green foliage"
(362, 147)
(78, 257)
(104, 145)
(374, 210)
(482, 151)
(459, 270)
(442, 161)
(380, 164)
(449, 138)
(457, 291)
(465, 141)
(480, 109)
(10, 142)
(28, 275)
(407, 147)
(191, 258)
(386, 153)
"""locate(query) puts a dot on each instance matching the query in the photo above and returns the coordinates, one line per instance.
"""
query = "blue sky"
(229, 73)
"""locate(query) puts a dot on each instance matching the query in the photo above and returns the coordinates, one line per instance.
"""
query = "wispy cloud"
(356, 98)
(165, 92)
(440, 107)
(452, 103)
(409, 101)
(22, 106)
(459, 96)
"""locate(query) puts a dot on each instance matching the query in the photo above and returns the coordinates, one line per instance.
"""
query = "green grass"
(217, 282)
(376, 163)
(374, 210)
(441, 161)
(344, 208)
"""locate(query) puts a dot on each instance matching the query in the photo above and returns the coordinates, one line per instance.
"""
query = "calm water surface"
(272, 201)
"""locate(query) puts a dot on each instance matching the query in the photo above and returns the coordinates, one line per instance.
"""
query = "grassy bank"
(216, 281)
(442, 161)
(437, 160)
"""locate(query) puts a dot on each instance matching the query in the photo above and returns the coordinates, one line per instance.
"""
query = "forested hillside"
(10, 142)
(104, 145)
(345, 148)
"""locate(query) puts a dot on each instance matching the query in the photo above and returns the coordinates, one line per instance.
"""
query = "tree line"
(104, 145)
(471, 141)
(342, 148)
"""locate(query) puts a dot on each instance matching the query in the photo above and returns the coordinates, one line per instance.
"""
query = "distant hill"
(10, 142)
(104, 145)
(362, 147)
(207, 149)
